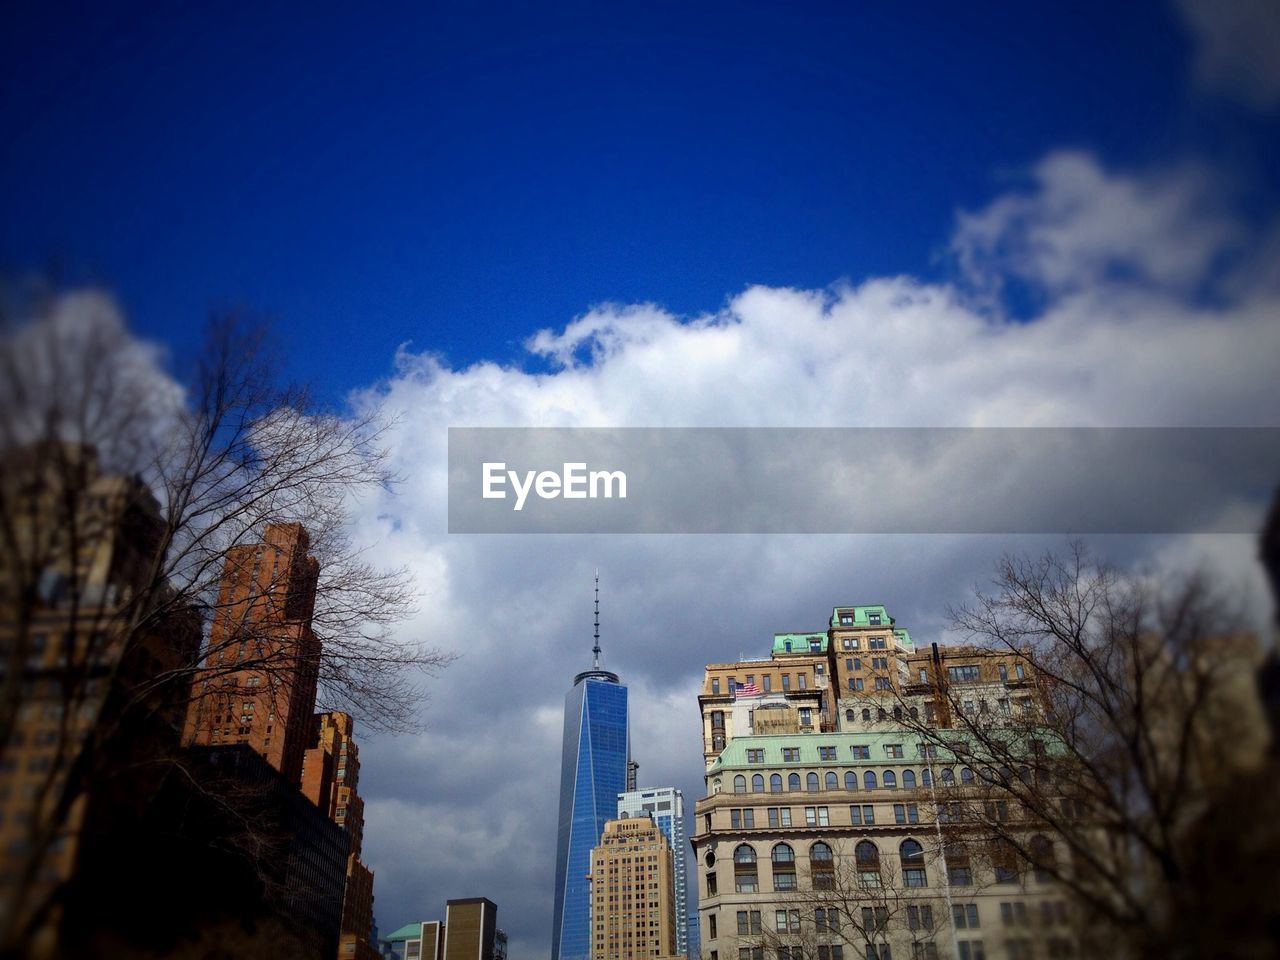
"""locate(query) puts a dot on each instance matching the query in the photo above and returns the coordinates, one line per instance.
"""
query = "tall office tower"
(665, 805)
(470, 929)
(633, 892)
(330, 778)
(593, 771)
(258, 682)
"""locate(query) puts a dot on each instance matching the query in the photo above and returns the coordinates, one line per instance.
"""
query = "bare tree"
(125, 491)
(1140, 725)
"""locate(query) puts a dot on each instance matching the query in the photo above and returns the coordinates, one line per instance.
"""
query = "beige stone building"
(848, 836)
(633, 913)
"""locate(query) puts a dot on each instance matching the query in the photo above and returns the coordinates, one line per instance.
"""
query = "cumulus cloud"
(1237, 48)
(1151, 310)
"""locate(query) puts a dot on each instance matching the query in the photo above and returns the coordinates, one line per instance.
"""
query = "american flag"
(748, 689)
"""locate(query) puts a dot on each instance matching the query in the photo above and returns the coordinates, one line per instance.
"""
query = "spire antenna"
(596, 649)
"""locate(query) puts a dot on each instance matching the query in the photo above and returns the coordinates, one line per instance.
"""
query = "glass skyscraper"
(593, 771)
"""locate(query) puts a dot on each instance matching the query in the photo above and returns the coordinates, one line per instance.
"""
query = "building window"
(821, 866)
(790, 754)
(755, 756)
(806, 714)
(816, 817)
(793, 782)
(893, 751)
(826, 920)
(920, 918)
(745, 877)
(800, 680)
(964, 674)
(965, 916)
(867, 858)
(884, 683)
(971, 950)
(715, 684)
(767, 679)
(739, 784)
(811, 782)
(757, 783)
(912, 856)
(711, 885)
(775, 783)
(786, 682)
(784, 867)
(749, 923)
(861, 752)
(869, 780)
(890, 780)
(787, 921)
(850, 780)
(906, 813)
(826, 753)
(832, 779)
(908, 779)
(711, 927)
(1004, 673)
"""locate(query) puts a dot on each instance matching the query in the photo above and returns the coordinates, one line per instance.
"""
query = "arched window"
(811, 782)
(739, 784)
(850, 780)
(926, 777)
(867, 858)
(784, 867)
(866, 714)
(848, 715)
(948, 777)
(716, 786)
(966, 775)
(890, 780)
(832, 780)
(1006, 774)
(775, 783)
(757, 783)
(821, 866)
(793, 782)
(897, 713)
(869, 780)
(908, 779)
(988, 775)
(913, 872)
(1024, 774)
(880, 714)
(745, 877)
(1004, 861)
(914, 713)
(1043, 858)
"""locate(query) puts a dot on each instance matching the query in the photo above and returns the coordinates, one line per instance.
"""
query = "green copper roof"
(799, 642)
(860, 615)
(410, 931)
(904, 638)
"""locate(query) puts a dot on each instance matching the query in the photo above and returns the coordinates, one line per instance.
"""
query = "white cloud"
(1119, 338)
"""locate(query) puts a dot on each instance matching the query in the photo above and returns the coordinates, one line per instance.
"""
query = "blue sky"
(693, 214)
(461, 175)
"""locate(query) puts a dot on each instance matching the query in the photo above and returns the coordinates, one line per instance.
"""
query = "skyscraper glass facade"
(593, 771)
